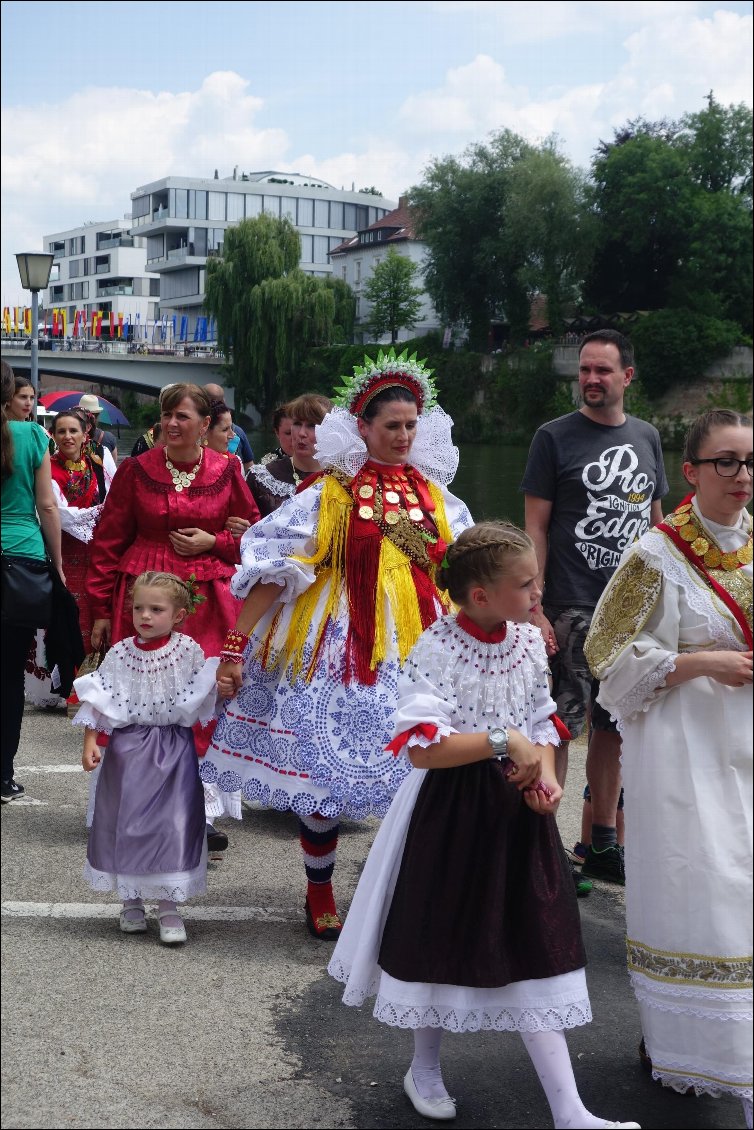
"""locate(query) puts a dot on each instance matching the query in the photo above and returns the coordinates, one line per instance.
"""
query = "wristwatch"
(498, 739)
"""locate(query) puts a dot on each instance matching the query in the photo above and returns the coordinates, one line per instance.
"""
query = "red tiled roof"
(401, 218)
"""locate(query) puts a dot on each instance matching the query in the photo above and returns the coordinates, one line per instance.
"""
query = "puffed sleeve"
(77, 521)
(633, 643)
(425, 698)
(115, 532)
(269, 549)
(457, 513)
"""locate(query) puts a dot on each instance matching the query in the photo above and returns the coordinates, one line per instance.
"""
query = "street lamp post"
(34, 268)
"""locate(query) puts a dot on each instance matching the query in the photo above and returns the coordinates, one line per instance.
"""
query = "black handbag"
(26, 592)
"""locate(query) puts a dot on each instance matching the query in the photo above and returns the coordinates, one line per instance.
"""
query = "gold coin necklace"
(183, 479)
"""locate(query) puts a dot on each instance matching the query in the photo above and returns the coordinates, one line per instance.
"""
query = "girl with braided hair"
(465, 917)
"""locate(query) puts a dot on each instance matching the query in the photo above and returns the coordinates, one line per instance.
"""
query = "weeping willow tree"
(269, 311)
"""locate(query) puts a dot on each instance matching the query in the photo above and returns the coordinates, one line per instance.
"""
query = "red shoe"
(326, 927)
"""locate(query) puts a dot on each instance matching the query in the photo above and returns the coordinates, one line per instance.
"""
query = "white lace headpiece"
(339, 444)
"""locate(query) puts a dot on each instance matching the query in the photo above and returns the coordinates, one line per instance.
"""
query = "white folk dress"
(462, 684)
(318, 744)
(149, 817)
(687, 776)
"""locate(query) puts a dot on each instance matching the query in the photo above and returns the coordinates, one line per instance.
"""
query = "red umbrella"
(58, 401)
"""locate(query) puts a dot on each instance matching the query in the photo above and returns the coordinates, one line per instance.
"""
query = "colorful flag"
(184, 327)
(6, 319)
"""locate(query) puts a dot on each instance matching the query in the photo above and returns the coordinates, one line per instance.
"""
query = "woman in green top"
(30, 528)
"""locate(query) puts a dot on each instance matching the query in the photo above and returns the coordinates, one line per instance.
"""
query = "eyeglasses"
(728, 468)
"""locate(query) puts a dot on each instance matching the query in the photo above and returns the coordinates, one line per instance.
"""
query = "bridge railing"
(61, 345)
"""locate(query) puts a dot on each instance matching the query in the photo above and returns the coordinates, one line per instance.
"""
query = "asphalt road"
(242, 1027)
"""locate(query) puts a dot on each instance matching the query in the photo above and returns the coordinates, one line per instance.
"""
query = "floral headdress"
(389, 370)
(196, 598)
(339, 444)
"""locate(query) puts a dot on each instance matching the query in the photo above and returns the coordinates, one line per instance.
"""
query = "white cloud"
(79, 159)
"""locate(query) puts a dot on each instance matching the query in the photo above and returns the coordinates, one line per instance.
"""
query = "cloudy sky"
(99, 98)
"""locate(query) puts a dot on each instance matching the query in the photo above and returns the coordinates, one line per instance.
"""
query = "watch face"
(498, 736)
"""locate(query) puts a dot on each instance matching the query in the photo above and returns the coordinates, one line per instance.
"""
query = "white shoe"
(171, 935)
(431, 1108)
(133, 925)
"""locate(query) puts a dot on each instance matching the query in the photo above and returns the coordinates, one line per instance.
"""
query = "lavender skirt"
(148, 835)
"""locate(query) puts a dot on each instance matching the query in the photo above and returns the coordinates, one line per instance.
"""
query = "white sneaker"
(442, 1109)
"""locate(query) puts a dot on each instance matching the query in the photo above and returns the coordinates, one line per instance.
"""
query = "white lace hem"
(553, 1003)
(680, 1000)
(681, 1078)
(400, 1015)
(218, 803)
(177, 887)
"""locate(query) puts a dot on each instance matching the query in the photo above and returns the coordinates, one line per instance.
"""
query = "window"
(140, 207)
(200, 241)
(288, 208)
(253, 205)
(74, 268)
(216, 206)
(272, 205)
(305, 213)
(321, 248)
(349, 217)
(155, 247)
(235, 206)
(343, 270)
(357, 271)
(306, 248)
(201, 205)
(180, 284)
(334, 241)
(154, 288)
(321, 213)
(179, 203)
(336, 214)
(75, 246)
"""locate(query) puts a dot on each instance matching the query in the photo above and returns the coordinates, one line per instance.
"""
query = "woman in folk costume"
(671, 641)
(273, 482)
(80, 482)
(339, 583)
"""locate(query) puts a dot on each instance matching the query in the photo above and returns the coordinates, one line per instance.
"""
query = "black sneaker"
(11, 790)
(607, 864)
(216, 841)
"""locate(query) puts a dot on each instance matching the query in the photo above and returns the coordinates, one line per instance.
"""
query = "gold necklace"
(703, 546)
(74, 465)
(183, 479)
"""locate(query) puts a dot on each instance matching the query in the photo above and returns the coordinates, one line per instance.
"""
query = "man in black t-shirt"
(593, 484)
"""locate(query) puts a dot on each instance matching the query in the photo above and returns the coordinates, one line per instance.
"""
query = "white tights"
(549, 1054)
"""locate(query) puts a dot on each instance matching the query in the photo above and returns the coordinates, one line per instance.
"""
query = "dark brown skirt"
(484, 896)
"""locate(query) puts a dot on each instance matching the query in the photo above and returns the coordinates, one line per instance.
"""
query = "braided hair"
(480, 556)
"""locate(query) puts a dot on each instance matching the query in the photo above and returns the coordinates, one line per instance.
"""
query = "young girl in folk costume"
(465, 917)
(671, 642)
(148, 834)
(339, 583)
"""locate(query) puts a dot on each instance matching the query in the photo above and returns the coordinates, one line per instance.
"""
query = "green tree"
(502, 222)
(672, 204)
(268, 311)
(395, 301)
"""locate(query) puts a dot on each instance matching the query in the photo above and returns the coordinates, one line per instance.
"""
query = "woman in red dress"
(80, 484)
(173, 510)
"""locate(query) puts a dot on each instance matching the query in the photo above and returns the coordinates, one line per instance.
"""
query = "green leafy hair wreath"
(387, 371)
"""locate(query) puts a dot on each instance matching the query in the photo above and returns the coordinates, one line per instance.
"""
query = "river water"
(488, 475)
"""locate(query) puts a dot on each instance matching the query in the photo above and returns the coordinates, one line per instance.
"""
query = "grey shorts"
(573, 686)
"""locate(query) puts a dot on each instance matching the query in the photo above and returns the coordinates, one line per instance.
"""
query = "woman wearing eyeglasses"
(671, 642)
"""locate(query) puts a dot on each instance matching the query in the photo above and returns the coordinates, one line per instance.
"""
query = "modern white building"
(101, 267)
(354, 260)
(184, 220)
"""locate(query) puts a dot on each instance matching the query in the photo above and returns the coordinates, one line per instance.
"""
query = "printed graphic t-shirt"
(601, 481)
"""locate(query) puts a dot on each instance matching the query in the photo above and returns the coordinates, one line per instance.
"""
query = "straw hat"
(90, 403)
